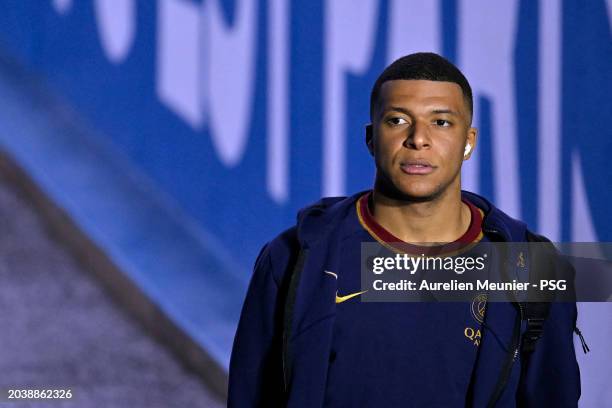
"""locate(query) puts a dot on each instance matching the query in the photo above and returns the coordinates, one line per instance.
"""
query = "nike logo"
(340, 299)
(332, 274)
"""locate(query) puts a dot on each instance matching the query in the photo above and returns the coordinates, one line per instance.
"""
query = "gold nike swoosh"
(340, 299)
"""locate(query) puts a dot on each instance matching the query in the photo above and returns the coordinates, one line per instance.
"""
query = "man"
(306, 340)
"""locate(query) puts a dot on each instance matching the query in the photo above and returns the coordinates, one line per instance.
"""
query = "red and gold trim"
(379, 233)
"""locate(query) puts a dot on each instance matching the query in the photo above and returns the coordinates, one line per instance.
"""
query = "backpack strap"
(294, 280)
(535, 314)
(541, 264)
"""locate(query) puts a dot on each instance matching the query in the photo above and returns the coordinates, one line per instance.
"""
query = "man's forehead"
(421, 87)
(427, 94)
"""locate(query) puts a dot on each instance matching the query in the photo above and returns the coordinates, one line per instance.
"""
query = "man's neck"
(444, 219)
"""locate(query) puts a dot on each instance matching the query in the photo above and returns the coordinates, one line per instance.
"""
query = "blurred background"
(148, 149)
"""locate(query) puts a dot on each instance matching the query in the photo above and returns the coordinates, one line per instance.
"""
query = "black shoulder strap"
(536, 313)
(294, 281)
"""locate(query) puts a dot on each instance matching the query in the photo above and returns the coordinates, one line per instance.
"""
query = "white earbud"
(468, 149)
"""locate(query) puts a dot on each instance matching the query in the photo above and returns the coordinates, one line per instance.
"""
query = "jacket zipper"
(518, 345)
(512, 355)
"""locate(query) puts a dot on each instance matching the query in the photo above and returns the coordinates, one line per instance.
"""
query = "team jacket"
(281, 350)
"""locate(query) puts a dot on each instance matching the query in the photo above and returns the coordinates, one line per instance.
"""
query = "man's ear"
(368, 138)
(472, 137)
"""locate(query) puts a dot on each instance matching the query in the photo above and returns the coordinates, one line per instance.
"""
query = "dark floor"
(59, 329)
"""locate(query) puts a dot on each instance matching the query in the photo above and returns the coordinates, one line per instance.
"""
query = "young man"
(306, 340)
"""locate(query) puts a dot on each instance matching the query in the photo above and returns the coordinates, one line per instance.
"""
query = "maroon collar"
(378, 232)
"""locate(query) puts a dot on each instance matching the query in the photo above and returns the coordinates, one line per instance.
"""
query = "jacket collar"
(497, 224)
(319, 219)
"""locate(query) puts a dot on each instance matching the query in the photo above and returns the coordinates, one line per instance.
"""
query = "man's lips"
(417, 167)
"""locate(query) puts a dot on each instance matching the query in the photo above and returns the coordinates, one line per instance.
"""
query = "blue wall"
(115, 80)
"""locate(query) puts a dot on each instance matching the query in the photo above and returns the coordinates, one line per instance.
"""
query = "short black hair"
(422, 65)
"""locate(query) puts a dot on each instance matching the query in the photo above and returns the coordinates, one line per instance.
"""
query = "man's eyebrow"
(447, 111)
(407, 112)
(396, 109)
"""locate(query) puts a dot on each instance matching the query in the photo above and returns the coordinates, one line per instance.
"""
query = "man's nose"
(418, 136)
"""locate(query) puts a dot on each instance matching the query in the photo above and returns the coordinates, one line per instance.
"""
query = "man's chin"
(418, 196)
(413, 194)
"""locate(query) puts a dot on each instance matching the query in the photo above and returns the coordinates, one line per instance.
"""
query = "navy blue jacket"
(282, 346)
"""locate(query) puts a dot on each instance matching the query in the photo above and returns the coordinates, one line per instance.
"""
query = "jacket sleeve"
(550, 374)
(255, 373)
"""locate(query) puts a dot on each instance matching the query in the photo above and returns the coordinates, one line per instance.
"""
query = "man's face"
(419, 132)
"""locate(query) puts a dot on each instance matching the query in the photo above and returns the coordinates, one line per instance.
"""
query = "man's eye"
(397, 121)
(442, 122)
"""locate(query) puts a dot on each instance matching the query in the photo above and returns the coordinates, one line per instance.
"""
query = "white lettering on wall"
(116, 27)
(414, 26)
(549, 132)
(583, 229)
(230, 77)
(486, 46)
(278, 100)
(178, 74)
(62, 6)
(350, 27)
(206, 70)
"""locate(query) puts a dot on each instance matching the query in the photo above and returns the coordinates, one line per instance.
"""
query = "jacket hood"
(317, 220)
(495, 220)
